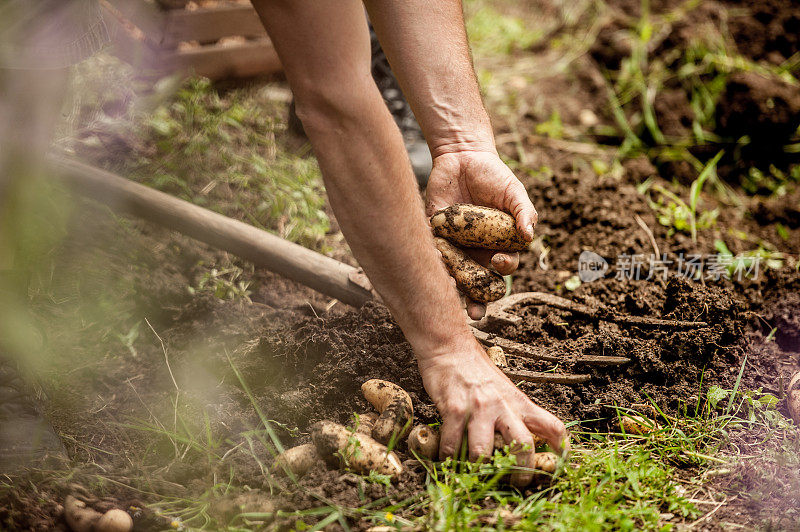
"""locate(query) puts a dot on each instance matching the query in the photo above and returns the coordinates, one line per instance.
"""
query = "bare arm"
(426, 44)
(324, 48)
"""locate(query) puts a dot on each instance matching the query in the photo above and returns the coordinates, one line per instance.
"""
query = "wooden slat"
(255, 58)
(144, 15)
(211, 24)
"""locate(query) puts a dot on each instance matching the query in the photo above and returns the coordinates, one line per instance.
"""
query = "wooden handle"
(323, 274)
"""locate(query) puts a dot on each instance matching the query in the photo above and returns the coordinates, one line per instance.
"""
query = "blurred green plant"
(494, 33)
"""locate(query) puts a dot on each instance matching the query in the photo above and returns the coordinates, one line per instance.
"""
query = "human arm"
(374, 196)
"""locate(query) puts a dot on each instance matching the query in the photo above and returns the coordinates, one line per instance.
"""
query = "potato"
(638, 425)
(395, 407)
(114, 521)
(424, 441)
(793, 397)
(81, 518)
(298, 460)
(366, 422)
(78, 516)
(498, 356)
(476, 282)
(361, 452)
(546, 462)
(474, 226)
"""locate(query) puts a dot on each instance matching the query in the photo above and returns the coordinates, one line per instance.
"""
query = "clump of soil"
(767, 29)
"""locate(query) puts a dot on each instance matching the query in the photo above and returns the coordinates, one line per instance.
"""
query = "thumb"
(517, 202)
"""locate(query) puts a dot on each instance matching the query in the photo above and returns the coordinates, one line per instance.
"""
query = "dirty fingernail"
(529, 232)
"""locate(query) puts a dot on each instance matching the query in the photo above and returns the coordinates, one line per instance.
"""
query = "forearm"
(426, 44)
(374, 195)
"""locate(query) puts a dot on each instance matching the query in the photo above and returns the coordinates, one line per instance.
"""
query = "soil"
(304, 361)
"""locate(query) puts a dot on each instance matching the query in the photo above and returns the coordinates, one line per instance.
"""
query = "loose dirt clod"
(360, 452)
(794, 398)
(476, 282)
(424, 441)
(498, 356)
(81, 518)
(395, 407)
(475, 226)
(298, 459)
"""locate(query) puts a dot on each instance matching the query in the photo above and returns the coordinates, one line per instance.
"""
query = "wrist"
(459, 141)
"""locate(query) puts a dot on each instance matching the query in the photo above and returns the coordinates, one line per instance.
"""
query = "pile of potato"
(472, 226)
(365, 447)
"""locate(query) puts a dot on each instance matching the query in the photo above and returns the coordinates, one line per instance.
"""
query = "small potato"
(498, 356)
(638, 425)
(366, 422)
(298, 460)
(114, 521)
(793, 397)
(546, 462)
(395, 407)
(424, 441)
(476, 282)
(360, 451)
(474, 226)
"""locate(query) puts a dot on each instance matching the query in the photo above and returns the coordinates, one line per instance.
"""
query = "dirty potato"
(474, 226)
(298, 460)
(362, 453)
(424, 442)
(395, 407)
(476, 282)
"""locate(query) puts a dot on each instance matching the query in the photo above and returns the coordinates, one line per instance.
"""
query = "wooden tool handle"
(323, 274)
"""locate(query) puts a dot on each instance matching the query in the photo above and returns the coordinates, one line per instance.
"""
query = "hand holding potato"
(481, 178)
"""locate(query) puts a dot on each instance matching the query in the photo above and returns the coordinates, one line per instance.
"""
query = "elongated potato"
(81, 518)
(638, 425)
(424, 441)
(395, 407)
(360, 451)
(78, 516)
(366, 422)
(794, 397)
(298, 459)
(476, 282)
(474, 226)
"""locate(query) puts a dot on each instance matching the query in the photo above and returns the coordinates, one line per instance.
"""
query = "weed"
(493, 33)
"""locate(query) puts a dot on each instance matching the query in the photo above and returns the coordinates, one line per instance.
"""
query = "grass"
(612, 481)
(212, 148)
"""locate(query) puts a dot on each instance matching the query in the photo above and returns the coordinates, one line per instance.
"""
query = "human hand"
(471, 392)
(481, 178)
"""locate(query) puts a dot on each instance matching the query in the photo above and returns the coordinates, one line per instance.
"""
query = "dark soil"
(304, 361)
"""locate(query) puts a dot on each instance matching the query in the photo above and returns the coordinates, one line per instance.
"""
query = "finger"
(544, 424)
(475, 310)
(520, 441)
(504, 263)
(480, 430)
(452, 432)
(517, 202)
